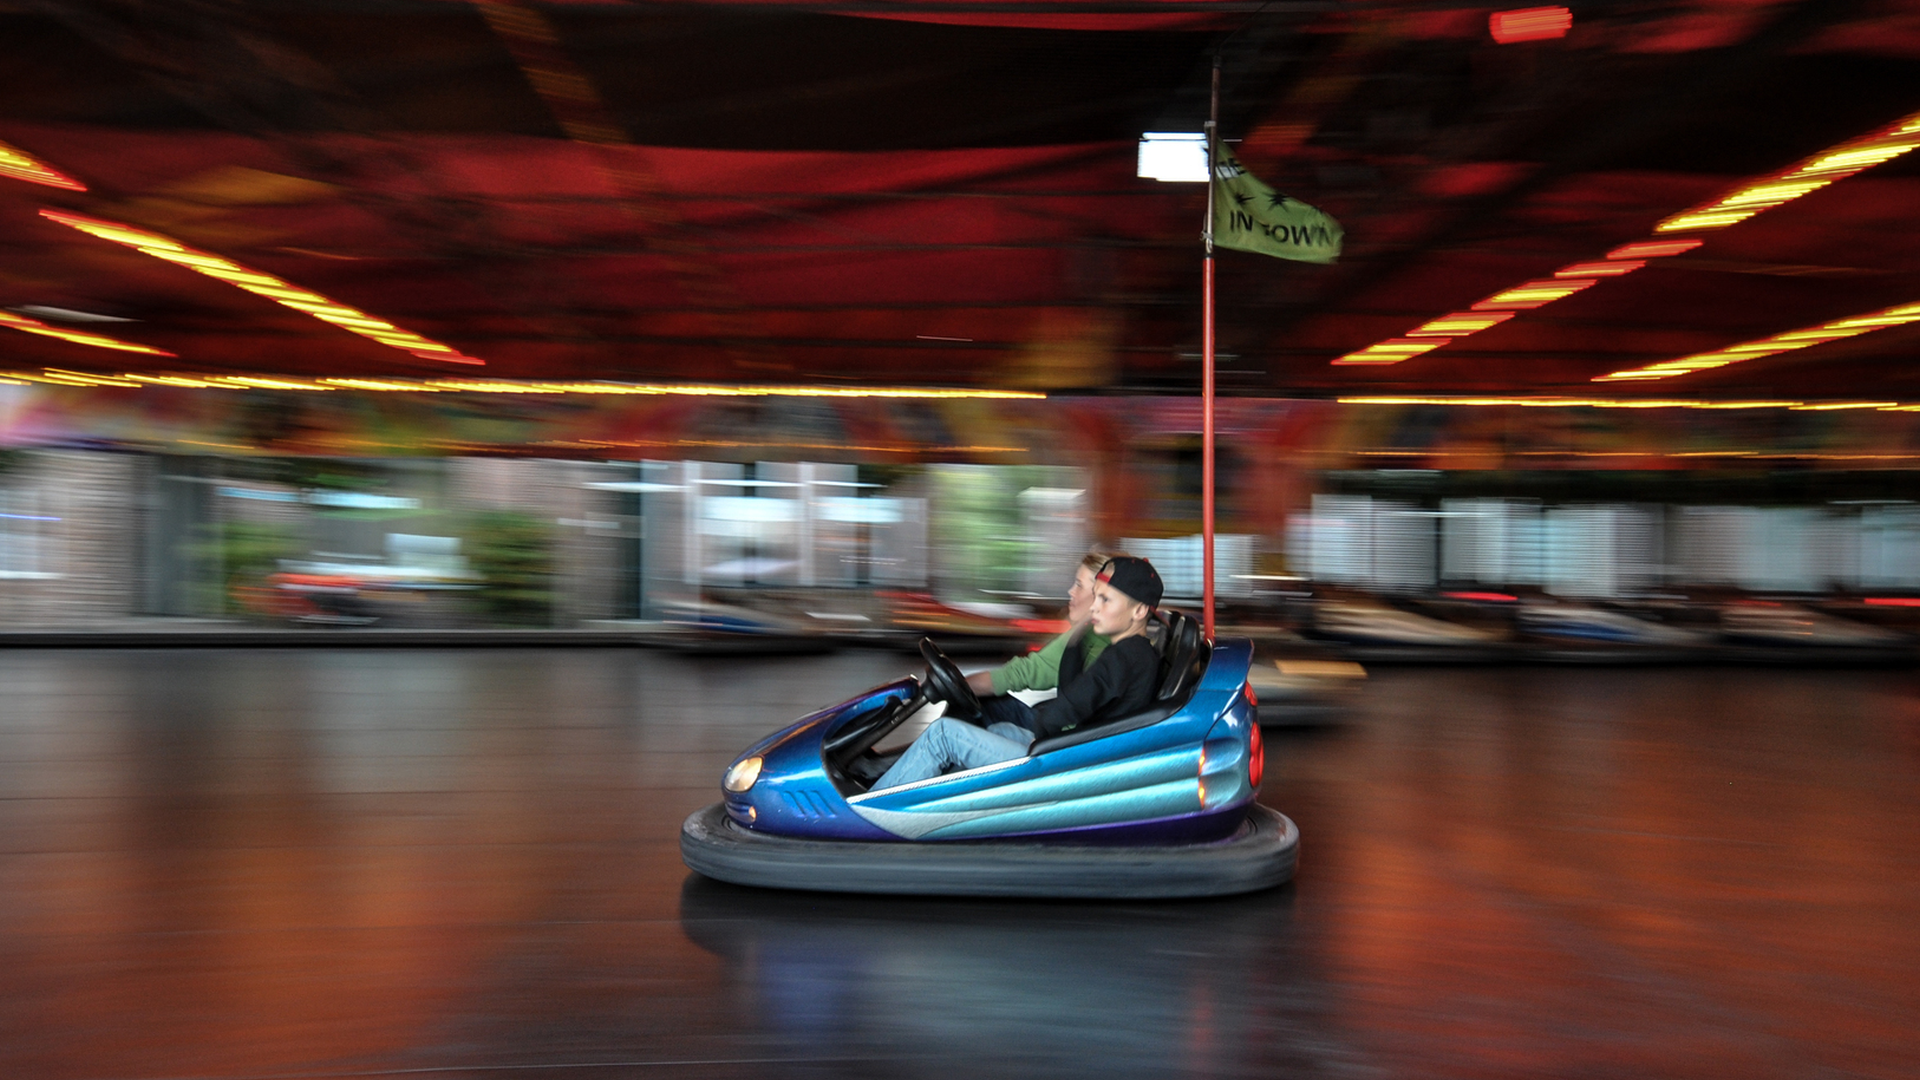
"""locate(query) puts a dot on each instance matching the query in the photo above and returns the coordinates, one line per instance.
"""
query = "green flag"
(1250, 216)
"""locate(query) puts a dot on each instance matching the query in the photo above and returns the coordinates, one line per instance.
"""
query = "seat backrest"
(1182, 659)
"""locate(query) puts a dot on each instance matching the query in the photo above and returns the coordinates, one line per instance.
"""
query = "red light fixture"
(1256, 757)
(1529, 24)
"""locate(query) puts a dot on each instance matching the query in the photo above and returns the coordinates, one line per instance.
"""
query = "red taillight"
(1256, 758)
(1252, 699)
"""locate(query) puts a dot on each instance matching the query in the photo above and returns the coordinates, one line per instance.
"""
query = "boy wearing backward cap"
(1121, 682)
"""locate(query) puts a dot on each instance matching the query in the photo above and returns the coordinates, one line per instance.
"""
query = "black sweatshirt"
(1122, 682)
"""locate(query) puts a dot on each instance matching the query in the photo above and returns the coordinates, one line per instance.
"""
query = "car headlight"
(742, 775)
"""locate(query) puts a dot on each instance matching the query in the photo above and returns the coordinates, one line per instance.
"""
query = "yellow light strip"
(56, 377)
(1809, 176)
(1391, 351)
(1592, 403)
(263, 382)
(260, 283)
(1460, 324)
(505, 386)
(1603, 268)
(1771, 346)
(21, 165)
(1816, 172)
(172, 380)
(1540, 293)
(382, 384)
(35, 326)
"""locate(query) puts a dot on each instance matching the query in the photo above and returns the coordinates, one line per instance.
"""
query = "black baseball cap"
(1135, 577)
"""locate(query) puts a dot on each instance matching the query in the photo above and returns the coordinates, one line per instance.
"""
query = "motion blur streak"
(1654, 249)
(501, 386)
(1529, 24)
(1535, 294)
(280, 292)
(1570, 402)
(1766, 193)
(20, 165)
(1786, 341)
(35, 326)
(1809, 176)
(1390, 351)
(1459, 324)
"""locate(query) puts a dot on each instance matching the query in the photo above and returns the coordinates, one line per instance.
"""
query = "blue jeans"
(1007, 709)
(955, 744)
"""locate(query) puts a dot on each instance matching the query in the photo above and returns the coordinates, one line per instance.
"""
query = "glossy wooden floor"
(464, 864)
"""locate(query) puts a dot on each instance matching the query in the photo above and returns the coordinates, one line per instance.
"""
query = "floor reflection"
(308, 863)
(1208, 988)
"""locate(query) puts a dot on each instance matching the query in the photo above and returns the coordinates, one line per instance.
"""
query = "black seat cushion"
(1183, 659)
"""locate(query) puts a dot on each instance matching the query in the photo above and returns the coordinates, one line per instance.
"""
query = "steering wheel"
(946, 683)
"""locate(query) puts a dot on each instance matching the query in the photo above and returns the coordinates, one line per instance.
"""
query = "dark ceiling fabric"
(810, 192)
(714, 76)
(547, 263)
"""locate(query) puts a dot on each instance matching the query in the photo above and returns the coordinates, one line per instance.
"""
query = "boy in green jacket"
(1041, 670)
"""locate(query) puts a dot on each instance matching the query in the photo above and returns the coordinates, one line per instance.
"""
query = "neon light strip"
(503, 386)
(1503, 305)
(35, 326)
(1570, 402)
(1809, 176)
(280, 292)
(1771, 346)
(1777, 189)
(21, 165)
(1628, 403)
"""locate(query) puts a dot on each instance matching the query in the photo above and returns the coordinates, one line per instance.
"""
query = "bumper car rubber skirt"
(1260, 855)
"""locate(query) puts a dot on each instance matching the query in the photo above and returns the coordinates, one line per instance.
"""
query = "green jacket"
(1041, 670)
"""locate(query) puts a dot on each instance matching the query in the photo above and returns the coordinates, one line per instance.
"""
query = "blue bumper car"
(1157, 804)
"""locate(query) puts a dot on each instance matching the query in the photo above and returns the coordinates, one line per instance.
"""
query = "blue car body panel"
(1186, 775)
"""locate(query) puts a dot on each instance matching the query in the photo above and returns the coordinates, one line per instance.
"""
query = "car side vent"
(808, 804)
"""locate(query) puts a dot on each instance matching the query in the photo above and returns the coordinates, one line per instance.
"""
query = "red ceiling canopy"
(944, 193)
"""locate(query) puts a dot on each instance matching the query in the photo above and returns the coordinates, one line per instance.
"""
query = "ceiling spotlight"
(1173, 156)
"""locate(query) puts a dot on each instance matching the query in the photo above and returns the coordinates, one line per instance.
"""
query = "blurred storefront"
(557, 509)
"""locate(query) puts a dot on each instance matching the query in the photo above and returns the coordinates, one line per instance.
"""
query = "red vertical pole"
(1206, 368)
(1206, 449)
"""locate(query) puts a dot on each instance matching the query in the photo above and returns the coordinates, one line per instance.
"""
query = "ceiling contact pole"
(1206, 365)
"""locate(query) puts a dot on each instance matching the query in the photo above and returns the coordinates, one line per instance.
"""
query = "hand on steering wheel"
(946, 683)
